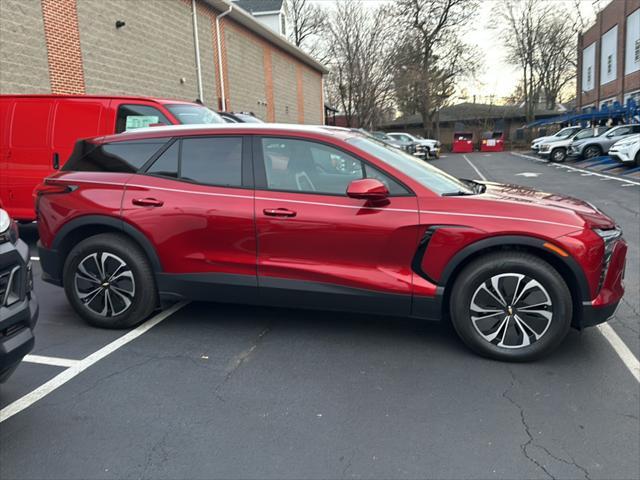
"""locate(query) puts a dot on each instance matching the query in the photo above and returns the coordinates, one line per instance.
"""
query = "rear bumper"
(51, 265)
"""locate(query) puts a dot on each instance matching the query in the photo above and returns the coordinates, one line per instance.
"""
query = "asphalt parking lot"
(224, 391)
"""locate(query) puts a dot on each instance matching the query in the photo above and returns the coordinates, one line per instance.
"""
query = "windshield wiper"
(475, 186)
(459, 193)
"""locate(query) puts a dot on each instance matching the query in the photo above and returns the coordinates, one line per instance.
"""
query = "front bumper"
(19, 310)
(604, 306)
(623, 155)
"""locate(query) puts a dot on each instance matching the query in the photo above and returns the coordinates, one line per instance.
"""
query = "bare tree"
(307, 26)
(521, 33)
(360, 82)
(430, 58)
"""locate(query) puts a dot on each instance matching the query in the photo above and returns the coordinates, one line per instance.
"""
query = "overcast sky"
(498, 78)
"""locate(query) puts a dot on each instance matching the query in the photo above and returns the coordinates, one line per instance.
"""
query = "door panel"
(29, 156)
(331, 250)
(204, 234)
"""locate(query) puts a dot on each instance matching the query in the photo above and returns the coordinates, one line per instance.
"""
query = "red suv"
(327, 218)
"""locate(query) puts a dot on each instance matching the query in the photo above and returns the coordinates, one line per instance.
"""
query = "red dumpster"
(492, 142)
(462, 142)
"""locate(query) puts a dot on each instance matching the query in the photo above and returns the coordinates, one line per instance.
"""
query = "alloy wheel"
(511, 310)
(104, 283)
(559, 155)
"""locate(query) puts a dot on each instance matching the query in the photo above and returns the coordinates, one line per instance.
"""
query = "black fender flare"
(112, 222)
(516, 240)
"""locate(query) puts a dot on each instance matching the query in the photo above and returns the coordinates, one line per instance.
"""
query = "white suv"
(627, 150)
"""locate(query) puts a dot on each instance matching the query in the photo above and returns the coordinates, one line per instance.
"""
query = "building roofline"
(245, 19)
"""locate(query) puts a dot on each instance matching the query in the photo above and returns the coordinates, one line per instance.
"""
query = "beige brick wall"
(285, 91)
(312, 91)
(150, 54)
(245, 64)
(23, 53)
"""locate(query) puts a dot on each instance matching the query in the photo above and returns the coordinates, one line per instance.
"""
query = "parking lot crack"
(525, 447)
(238, 360)
(347, 466)
(159, 445)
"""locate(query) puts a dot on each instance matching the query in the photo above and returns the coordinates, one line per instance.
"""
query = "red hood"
(520, 194)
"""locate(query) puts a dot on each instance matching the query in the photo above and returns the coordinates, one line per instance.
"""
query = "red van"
(462, 142)
(38, 132)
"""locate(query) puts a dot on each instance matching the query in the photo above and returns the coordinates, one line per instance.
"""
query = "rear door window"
(133, 116)
(212, 161)
(166, 165)
(122, 157)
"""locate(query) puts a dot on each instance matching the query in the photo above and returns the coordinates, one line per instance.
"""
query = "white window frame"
(609, 48)
(588, 66)
(632, 43)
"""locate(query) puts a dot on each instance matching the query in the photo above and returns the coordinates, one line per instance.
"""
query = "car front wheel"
(559, 155)
(592, 151)
(109, 282)
(511, 306)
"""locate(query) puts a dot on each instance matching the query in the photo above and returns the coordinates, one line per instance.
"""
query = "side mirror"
(367, 189)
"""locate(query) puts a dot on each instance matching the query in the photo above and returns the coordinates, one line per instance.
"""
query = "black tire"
(592, 151)
(558, 155)
(469, 286)
(637, 159)
(142, 301)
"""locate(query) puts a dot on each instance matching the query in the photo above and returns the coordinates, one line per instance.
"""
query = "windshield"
(431, 177)
(566, 132)
(587, 133)
(247, 118)
(194, 114)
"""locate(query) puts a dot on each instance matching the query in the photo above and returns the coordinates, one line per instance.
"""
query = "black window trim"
(260, 174)
(247, 177)
(124, 104)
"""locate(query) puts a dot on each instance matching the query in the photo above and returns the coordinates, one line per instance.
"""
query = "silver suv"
(556, 149)
(600, 145)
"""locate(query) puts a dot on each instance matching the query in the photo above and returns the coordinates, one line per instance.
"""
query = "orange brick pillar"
(300, 83)
(268, 84)
(62, 36)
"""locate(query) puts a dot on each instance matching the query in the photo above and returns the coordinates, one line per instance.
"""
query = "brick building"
(609, 57)
(148, 47)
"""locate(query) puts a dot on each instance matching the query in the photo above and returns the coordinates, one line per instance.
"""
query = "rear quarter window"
(121, 157)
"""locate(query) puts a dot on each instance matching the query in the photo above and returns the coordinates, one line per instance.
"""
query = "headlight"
(610, 238)
(8, 228)
(5, 221)
(545, 148)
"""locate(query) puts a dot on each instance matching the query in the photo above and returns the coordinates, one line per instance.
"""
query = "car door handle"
(147, 202)
(279, 212)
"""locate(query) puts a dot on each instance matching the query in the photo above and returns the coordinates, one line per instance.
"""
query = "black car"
(18, 304)
(239, 117)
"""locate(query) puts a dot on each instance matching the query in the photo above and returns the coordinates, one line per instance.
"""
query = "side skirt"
(281, 292)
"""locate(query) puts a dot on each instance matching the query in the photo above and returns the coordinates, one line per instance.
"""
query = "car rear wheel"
(511, 306)
(109, 282)
(558, 155)
(592, 151)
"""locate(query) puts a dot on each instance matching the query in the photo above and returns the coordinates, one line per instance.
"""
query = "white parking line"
(629, 359)
(475, 168)
(53, 361)
(582, 170)
(71, 372)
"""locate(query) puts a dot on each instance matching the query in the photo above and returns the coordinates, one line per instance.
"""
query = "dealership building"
(212, 50)
(609, 57)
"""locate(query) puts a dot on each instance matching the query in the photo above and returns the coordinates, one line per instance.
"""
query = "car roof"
(120, 97)
(225, 128)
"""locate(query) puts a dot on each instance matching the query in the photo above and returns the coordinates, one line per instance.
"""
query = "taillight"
(51, 187)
